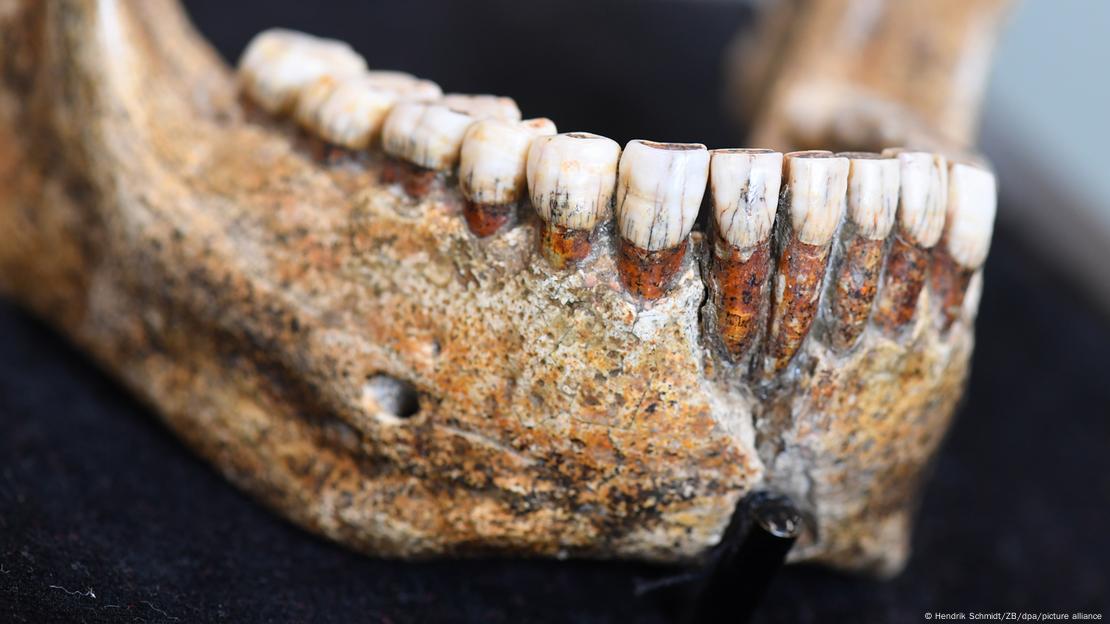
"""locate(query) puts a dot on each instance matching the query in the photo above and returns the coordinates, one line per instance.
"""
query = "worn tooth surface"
(405, 85)
(483, 106)
(872, 202)
(353, 113)
(816, 185)
(278, 64)
(427, 136)
(922, 198)
(972, 203)
(659, 193)
(744, 189)
(306, 111)
(571, 181)
(492, 169)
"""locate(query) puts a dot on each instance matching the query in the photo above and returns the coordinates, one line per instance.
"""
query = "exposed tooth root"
(744, 188)
(972, 203)
(483, 106)
(872, 201)
(922, 199)
(492, 169)
(427, 136)
(278, 65)
(571, 179)
(659, 192)
(816, 184)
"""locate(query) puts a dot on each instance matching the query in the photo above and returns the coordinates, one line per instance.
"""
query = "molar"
(279, 64)
(483, 106)
(427, 136)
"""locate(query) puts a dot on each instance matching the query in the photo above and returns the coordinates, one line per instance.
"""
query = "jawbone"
(360, 362)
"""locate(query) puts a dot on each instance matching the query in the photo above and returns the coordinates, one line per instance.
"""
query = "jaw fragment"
(281, 324)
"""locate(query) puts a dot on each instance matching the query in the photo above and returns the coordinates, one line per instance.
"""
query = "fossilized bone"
(386, 357)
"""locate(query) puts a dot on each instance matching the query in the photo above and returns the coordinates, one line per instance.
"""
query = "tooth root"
(425, 136)
(571, 179)
(872, 202)
(921, 209)
(816, 185)
(972, 203)
(744, 190)
(278, 65)
(492, 170)
(483, 106)
(659, 191)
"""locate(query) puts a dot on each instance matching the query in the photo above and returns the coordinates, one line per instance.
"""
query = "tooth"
(921, 206)
(659, 192)
(483, 106)
(278, 64)
(426, 136)
(872, 201)
(571, 179)
(744, 189)
(353, 115)
(406, 86)
(816, 184)
(492, 165)
(972, 202)
(310, 100)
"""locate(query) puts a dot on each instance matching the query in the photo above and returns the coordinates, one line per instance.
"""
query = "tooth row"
(889, 210)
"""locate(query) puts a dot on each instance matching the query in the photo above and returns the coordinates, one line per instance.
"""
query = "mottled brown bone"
(855, 284)
(741, 293)
(486, 219)
(359, 362)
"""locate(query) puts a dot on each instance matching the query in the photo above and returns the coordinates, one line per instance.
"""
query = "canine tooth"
(922, 201)
(816, 184)
(278, 64)
(483, 106)
(872, 201)
(659, 192)
(427, 136)
(744, 190)
(492, 169)
(571, 180)
(972, 203)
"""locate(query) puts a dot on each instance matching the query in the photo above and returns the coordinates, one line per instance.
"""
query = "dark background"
(104, 516)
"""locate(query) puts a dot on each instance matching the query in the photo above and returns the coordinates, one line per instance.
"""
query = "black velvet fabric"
(106, 517)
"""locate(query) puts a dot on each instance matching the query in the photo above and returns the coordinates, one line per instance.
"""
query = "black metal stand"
(764, 527)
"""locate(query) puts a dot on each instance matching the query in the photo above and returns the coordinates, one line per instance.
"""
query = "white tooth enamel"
(483, 106)
(311, 99)
(571, 178)
(407, 86)
(972, 202)
(494, 156)
(923, 195)
(278, 64)
(817, 183)
(872, 193)
(353, 115)
(428, 135)
(659, 192)
(744, 185)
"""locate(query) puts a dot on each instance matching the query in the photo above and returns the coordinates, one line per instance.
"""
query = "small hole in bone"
(390, 398)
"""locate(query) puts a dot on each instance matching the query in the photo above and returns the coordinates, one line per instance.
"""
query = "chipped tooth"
(278, 64)
(922, 202)
(816, 186)
(483, 106)
(492, 169)
(744, 190)
(571, 180)
(659, 191)
(972, 203)
(427, 136)
(872, 200)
